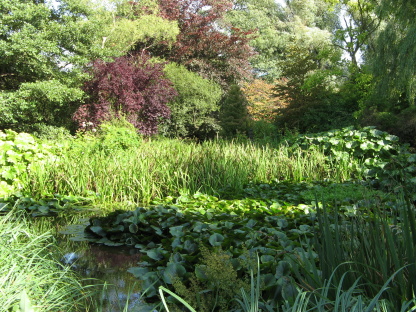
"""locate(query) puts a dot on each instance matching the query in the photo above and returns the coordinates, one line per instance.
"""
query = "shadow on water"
(103, 266)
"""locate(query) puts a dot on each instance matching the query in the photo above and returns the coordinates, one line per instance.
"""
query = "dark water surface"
(106, 264)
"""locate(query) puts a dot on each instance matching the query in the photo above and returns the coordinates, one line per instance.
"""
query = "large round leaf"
(173, 270)
(216, 239)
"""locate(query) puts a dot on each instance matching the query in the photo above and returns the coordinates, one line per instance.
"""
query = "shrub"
(131, 86)
(192, 110)
(17, 152)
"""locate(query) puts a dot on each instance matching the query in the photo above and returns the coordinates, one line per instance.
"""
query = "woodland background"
(199, 69)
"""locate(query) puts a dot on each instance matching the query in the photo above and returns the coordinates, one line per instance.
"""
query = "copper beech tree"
(130, 86)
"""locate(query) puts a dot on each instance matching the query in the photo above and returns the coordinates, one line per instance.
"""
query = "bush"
(111, 136)
(402, 124)
(130, 86)
(17, 152)
(192, 110)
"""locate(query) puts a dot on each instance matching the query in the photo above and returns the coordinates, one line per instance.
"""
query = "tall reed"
(373, 245)
(169, 167)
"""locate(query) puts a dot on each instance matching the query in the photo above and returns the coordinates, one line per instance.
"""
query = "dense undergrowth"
(329, 217)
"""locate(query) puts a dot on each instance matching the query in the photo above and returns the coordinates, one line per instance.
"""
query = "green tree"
(391, 105)
(394, 58)
(43, 49)
(277, 28)
(234, 116)
(192, 110)
(360, 26)
(138, 26)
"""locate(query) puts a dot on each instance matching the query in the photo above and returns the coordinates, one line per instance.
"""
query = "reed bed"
(158, 168)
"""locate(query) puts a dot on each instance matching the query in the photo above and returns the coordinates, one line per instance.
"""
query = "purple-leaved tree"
(130, 86)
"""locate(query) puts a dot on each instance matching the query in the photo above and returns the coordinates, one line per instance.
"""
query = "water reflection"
(103, 265)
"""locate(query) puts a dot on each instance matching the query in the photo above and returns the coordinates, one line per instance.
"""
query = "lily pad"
(216, 239)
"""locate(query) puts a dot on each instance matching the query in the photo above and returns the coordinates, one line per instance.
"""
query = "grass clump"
(29, 274)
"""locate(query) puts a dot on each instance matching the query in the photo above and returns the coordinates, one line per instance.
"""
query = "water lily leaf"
(251, 223)
(138, 272)
(200, 272)
(118, 228)
(269, 280)
(177, 257)
(228, 225)
(283, 269)
(282, 223)
(155, 254)
(199, 227)
(412, 158)
(289, 291)
(189, 246)
(133, 228)
(151, 245)
(173, 270)
(176, 243)
(266, 258)
(236, 263)
(216, 239)
(213, 226)
(151, 283)
(304, 227)
(98, 230)
(176, 231)
(158, 230)
(111, 243)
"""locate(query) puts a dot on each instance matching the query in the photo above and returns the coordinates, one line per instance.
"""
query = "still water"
(101, 264)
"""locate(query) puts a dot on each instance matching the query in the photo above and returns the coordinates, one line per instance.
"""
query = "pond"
(102, 265)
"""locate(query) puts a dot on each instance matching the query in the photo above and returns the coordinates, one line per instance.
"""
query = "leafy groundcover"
(275, 222)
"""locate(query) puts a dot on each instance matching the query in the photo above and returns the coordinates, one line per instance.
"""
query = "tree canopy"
(164, 64)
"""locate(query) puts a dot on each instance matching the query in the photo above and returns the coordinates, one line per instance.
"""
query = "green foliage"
(175, 235)
(372, 247)
(47, 206)
(341, 193)
(370, 145)
(346, 299)
(50, 101)
(367, 142)
(138, 23)
(310, 88)
(398, 122)
(304, 23)
(234, 116)
(18, 151)
(383, 157)
(264, 132)
(117, 135)
(158, 168)
(171, 238)
(30, 276)
(192, 110)
(392, 61)
(46, 132)
(42, 54)
(219, 284)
